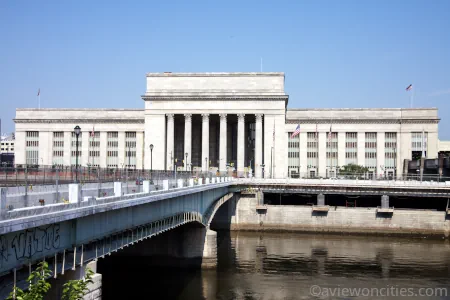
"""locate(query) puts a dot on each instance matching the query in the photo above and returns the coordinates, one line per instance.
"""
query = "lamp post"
(262, 170)
(206, 164)
(185, 161)
(77, 130)
(151, 162)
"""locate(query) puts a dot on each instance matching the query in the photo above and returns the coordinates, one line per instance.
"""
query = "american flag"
(92, 132)
(329, 135)
(39, 92)
(317, 133)
(274, 131)
(409, 87)
(296, 132)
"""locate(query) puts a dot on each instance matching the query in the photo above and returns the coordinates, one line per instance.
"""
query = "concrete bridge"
(70, 235)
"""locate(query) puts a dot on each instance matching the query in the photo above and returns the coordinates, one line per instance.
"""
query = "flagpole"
(39, 100)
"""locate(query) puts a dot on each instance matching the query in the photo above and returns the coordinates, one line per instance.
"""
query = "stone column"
(187, 140)
(170, 141)
(258, 146)
(241, 144)
(83, 159)
(67, 148)
(361, 143)
(205, 142)
(322, 168)
(121, 149)
(103, 148)
(223, 143)
(380, 154)
(139, 150)
(341, 150)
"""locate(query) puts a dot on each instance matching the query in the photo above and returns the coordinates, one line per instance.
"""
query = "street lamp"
(185, 162)
(262, 170)
(77, 130)
(206, 164)
(151, 162)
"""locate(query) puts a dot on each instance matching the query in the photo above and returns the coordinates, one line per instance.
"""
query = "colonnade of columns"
(222, 142)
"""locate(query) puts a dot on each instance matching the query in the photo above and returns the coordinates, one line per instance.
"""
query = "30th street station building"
(218, 121)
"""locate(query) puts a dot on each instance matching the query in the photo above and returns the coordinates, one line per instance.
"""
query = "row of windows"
(58, 144)
(32, 144)
(293, 144)
(293, 154)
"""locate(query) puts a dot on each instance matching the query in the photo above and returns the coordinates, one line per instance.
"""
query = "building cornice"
(81, 121)
(215, 98)
(362, 121)
(216, 74)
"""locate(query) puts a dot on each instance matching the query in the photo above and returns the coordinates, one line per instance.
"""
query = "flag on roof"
(296, 132)
(39, 92)
(409, 87)
(317, 133)
(329, 135)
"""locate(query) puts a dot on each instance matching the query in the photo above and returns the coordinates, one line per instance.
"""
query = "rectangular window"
(390, 150)
(73, 149)
(294, 155)
(312, 154)
(130, 149)
(94, 149)
(419, 144)
(32, 147)
(332, 150)
(112, 149)
(58, 149)
(371, 150)
(351, 148)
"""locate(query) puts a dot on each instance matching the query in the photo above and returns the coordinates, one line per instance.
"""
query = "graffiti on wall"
(26, 244)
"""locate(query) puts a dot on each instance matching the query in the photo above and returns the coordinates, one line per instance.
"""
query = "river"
(295, 266)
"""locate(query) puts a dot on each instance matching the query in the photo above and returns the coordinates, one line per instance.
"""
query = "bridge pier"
(201, 243)
(320, 200)
(95, 288)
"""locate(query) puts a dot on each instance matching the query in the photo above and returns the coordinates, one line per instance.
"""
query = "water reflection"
(284, 266)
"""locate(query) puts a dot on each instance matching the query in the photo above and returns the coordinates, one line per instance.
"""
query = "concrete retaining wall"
(240, 213)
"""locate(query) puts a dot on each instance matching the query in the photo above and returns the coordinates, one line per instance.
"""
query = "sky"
(335, 54)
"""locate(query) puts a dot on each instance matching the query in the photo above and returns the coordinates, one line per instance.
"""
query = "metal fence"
(47, 175)
(369, 176)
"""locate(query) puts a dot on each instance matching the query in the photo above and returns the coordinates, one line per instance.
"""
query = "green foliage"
(353, 169)
(76, 289)
(38, 286)
(72, 290)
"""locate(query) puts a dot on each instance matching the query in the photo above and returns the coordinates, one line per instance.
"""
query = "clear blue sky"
(334, 53)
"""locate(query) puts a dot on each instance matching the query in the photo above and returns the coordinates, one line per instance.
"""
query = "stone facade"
(223, 122)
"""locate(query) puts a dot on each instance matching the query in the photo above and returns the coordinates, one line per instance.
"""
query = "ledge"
(389, 210)
(320, 207)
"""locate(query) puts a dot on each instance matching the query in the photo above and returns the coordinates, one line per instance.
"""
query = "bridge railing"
(349, 181)
(47, 199)
(54, 175)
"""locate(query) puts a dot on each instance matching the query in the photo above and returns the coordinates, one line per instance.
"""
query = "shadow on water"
(254, 265)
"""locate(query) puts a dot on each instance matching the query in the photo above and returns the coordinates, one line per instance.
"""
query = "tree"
(76, 289)
(72, 290)
(38, 286)
(353, 169)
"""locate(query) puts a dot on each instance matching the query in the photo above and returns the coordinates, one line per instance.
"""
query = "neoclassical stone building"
(224, 121)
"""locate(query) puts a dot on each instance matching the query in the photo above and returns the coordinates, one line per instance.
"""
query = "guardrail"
(76, 201)
(349, 182)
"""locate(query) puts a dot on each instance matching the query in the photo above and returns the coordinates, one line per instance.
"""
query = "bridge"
(70, 234)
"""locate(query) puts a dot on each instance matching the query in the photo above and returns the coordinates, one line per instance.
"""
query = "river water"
(296, 266)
